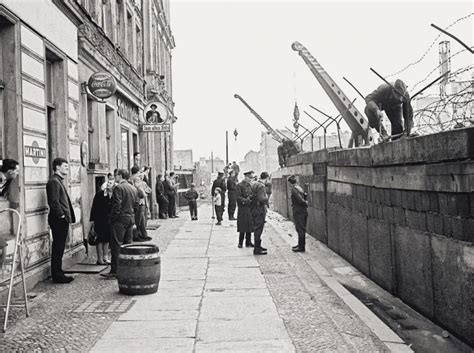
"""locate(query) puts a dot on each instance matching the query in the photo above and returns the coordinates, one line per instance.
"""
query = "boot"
(298, 249)
(241, 239)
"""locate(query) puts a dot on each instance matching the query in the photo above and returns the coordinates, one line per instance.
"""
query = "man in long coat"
(244, 216)
(300, 213)
(259, 211)
(232, 193)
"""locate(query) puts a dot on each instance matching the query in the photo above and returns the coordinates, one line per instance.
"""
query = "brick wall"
(402, 213)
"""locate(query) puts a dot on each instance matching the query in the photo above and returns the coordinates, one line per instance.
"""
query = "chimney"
(444, 65)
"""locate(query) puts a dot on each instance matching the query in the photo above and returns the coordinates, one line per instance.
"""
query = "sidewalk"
(212, 297)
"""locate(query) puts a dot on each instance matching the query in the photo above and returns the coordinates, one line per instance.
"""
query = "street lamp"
(235, 134)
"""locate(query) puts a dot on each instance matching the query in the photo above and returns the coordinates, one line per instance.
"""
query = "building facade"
(47, 110)
(183, 159)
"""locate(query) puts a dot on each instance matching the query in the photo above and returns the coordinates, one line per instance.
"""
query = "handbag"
(92, 237)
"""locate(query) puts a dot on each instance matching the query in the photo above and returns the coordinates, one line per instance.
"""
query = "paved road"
(212, 297)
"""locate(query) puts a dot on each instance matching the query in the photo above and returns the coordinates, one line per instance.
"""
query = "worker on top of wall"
(394, 100)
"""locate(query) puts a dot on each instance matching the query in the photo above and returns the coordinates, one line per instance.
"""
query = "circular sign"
(102, 85)
(155, 113)
(35, 158)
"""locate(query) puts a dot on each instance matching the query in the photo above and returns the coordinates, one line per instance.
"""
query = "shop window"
(135, 143)
(125, 149)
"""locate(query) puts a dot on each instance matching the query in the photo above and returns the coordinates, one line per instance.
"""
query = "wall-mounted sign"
(35, 152)
(155, 113)
(156, 127)
(102, 85)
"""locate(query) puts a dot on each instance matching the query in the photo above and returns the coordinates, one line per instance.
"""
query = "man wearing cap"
(220, 183)
(300, 213)
(232, 193)
(395, 101)
(244, 215)
(259, 211)
(153, 116)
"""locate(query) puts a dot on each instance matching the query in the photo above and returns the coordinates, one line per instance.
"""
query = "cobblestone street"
(212, 297)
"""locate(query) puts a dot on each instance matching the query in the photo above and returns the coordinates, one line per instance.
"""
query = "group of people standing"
(251, 199)
(166, 193)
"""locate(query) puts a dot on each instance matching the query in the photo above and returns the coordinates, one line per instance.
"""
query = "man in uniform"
(395, 101)
(259, 211)
(244, 216)
(232, 193)
(300, 213)
(220, 183)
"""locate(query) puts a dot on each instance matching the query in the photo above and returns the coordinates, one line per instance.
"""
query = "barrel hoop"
(141, 286)
(139, 257)
(141, 249)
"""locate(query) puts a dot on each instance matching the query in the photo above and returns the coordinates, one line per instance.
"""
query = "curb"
(389, 338)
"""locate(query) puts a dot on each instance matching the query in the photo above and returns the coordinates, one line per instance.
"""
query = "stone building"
(47, 110)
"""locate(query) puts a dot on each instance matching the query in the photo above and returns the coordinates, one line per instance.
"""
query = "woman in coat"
(100, 219)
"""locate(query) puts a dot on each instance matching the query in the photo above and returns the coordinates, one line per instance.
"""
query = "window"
(109, 123)
(135, 143)
(130, 37)
(119, 36)
(125, 150)
(90, 129)
(139, 51)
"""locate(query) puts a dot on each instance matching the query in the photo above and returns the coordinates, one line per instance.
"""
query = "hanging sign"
(156, 128)
(155, 118)
(102, 85)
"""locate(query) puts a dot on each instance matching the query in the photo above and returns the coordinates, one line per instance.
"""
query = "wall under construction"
(402, 213)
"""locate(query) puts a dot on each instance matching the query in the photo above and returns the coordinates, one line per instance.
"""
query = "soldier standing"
(259, 211)
(300, 213)
(232, 193)
(244, 216)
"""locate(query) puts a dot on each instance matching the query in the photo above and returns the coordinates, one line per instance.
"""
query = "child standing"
(191, 195)
(218, 205)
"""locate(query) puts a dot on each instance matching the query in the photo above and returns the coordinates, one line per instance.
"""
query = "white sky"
(244, 47)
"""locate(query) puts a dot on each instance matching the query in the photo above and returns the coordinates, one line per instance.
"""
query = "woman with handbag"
(100, 221)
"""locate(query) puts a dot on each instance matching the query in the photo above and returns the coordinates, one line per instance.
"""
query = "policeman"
(244, 215)
(300, 213)
(259, 211)
(232, 193)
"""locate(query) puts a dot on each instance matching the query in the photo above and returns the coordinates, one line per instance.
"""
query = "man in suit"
(244, 216)
(161, 198)
(300, 213)
(61, 214)
(122, 215)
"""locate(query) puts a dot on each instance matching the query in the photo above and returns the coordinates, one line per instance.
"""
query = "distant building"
(251, 162)
(183, 159)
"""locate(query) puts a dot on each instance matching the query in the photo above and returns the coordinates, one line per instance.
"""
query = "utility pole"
(226, 147)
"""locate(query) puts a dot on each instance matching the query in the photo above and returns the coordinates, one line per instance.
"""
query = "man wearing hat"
(244, 215)
(300, 213)
(221, 184)
(259, 211)
(153, 116)
(395, 101)
(231, 192)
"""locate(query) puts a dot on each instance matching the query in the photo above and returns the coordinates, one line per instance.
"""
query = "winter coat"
(244, 200)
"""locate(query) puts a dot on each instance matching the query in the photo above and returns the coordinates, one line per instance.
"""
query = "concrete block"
(471, 204)
(434, 202)
(412, 219)
(430, 222)
(380, 253)
(388, 214)
(345, 234)
(452, 204)
(387, 197)
(447, 226)
(333, 227)
(438, 223)
(425, 201)
(316, 225)
(413, 267)
(396, 197)
(443, 203)
(418, 198)
(408, 200)
(462, 203)
(422, 222)
(452, 285)
(400, 216)
(360, 242)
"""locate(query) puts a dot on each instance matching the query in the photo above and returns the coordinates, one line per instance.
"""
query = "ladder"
(17, 257)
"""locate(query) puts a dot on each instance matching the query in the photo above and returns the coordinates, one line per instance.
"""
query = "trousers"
(193, 208)
(59, 229)
(300, 219)
(172, 206)
(219, 212)
(394, 114)
(122, 233)
(247, 236)
(232, 203)
(162, 206)
(140, 221)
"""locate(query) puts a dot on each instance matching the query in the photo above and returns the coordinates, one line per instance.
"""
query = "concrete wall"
(403, 214)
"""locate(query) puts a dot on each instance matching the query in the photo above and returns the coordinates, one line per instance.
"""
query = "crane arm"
(272, 131)
(356, 121)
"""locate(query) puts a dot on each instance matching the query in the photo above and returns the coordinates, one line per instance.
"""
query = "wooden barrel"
(139, 269)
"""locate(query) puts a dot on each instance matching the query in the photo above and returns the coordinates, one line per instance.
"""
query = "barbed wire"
(429, 48)
(436, 68)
